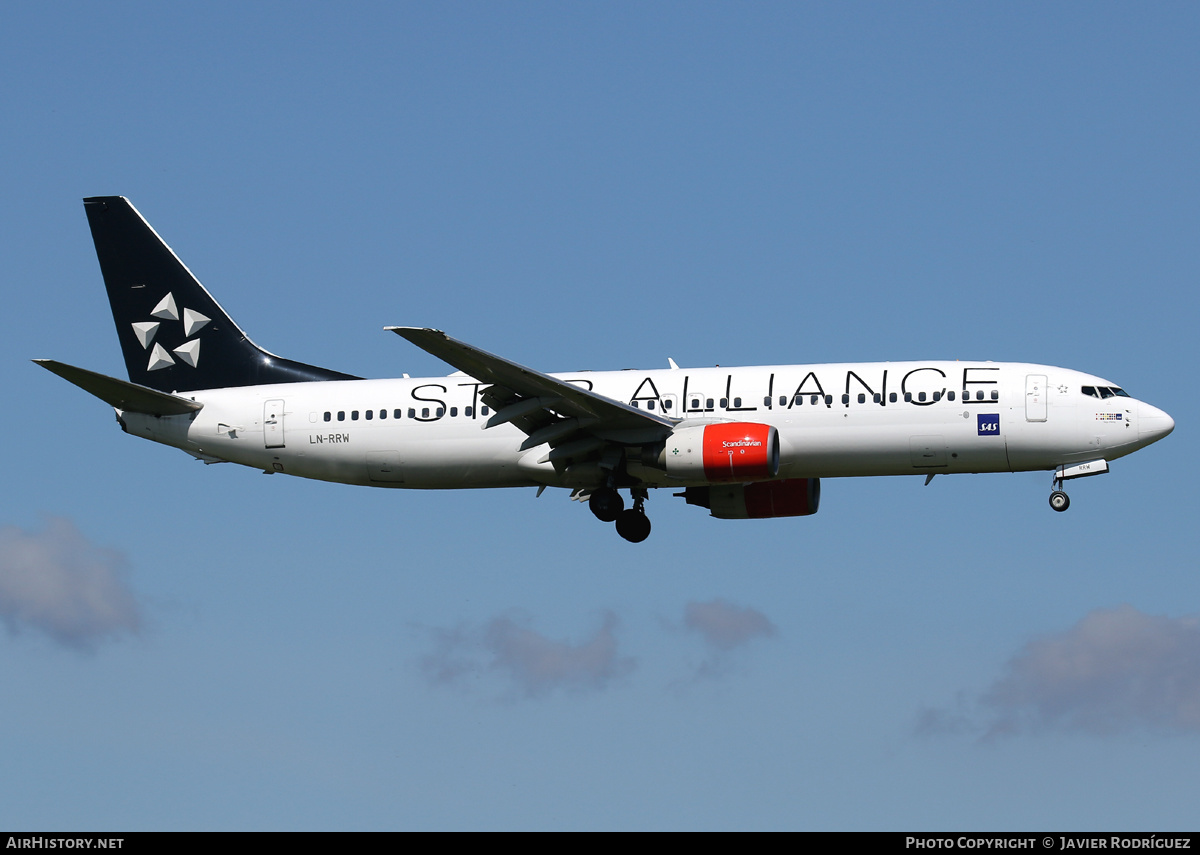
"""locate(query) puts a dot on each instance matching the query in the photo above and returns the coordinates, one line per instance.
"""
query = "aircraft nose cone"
(1153, 423)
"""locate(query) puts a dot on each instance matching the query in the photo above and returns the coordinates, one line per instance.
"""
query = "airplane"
(744, 443)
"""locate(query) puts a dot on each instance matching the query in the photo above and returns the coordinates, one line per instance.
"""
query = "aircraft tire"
(606, 504)
(633, 525)
(1060, 501)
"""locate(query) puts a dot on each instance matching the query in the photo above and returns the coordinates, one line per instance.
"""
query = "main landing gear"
(632, 523)
(607, 504)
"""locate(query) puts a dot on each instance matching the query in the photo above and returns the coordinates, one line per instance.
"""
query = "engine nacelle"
(792, 497)
(723, 452)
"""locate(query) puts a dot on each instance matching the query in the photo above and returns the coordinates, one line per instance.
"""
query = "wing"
(575, 422)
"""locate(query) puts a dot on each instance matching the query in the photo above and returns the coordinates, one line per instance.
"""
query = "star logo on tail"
(166, 312)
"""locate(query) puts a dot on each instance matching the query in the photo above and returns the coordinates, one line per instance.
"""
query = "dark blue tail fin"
(174, 336)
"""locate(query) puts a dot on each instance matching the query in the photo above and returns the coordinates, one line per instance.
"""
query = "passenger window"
(695, 403)
(937, 396)
(383, 414)
(667, 404)
(950, 396)
(370, 414)
(920, 396)
(441, 411)
(412, 413)
(995, 394)
(397, 413)
(649, 405)
(877, 398)
(483, 411)
(724, 403)
(908, 397)
(862, 398)
(453, 412)
(634, 404)
(468, 411)
(708, 404)
(328, 415)
(829, 400)
(783, 400)
(424, 412)
(892, 397)
(354, 415)
(341, 415)
(979, 395)
(737, 402)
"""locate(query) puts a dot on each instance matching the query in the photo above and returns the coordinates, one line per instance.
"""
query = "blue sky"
(603, 186)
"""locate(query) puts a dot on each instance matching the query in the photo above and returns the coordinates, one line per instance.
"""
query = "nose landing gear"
(1064, 473)
(1059, 500)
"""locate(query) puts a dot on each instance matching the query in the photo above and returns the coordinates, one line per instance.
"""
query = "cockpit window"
(1104, 392)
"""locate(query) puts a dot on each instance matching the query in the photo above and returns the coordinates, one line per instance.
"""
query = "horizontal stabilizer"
(121, 394)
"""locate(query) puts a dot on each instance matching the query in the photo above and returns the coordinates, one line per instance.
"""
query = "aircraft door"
(1035, 397)
(273, 423)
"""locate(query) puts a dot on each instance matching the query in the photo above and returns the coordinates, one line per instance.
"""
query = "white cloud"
(1116, 670)
(724, 628)
(533, 663)
(57, 582)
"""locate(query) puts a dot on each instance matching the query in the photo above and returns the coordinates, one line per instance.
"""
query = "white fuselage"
(856, 419)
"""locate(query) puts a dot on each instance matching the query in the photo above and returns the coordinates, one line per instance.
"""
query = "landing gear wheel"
(606, 503)
(1060, 501)
(633, 525)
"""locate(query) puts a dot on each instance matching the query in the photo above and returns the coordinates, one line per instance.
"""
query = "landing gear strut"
(633, 524)
(1059, 500)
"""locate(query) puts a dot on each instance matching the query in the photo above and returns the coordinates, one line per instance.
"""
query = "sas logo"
(989, 425)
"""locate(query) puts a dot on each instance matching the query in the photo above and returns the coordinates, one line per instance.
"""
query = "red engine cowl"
(723, 452)
(793, 497)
